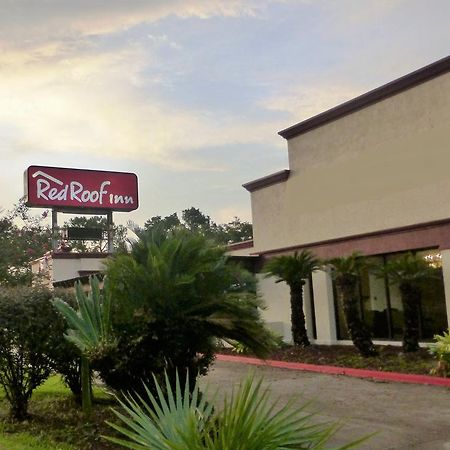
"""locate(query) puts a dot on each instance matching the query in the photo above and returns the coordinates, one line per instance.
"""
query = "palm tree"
(294, 270)
(346, 272)
(407, 272)
(173, 297)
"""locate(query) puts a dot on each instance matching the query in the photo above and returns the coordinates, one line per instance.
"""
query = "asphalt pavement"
(405, 416)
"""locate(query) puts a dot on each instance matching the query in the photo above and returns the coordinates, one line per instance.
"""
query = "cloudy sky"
(190, 94)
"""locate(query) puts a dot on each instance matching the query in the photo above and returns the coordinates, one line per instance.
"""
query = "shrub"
(32, 345)
(26, 326)
(441, 350)
(89, 329)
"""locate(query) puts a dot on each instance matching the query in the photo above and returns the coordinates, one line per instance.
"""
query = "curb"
(347, 371)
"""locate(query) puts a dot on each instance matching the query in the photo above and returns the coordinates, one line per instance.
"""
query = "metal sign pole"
(55, 239)
(109, 226)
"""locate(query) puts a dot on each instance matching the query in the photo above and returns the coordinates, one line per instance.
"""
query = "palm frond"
(89, 326)
(171, 420)
(292, 268)
(249, 420)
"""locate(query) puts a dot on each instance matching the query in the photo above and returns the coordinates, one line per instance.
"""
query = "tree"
(294, 270)
(168, 223)
(407, 272)
(22, 238)
(173, 297)
(196, 221)
(346, 272)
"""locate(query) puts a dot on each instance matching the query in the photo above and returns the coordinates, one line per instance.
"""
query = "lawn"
(56, 423)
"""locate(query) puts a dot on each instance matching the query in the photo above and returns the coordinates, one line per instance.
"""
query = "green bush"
(32, 345)
(25, 331)
(441, 350)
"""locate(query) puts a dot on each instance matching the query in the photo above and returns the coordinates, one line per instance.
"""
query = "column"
(324, 308)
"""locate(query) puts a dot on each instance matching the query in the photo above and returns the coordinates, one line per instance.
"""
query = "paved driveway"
(406, 416)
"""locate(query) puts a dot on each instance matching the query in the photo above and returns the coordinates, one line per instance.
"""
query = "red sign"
(73, 189)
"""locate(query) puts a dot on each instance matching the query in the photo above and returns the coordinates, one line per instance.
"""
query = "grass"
(56, 422)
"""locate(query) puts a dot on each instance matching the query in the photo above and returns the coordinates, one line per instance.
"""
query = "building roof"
(419, 76)
(268, 180)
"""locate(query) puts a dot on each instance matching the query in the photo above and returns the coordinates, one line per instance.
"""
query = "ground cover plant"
(390, 358)
(440, 349)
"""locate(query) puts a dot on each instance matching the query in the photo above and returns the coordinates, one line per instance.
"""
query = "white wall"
(67, 269)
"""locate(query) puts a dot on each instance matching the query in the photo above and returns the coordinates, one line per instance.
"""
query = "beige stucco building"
(371, 175)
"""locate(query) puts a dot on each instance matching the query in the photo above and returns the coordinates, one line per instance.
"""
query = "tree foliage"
(23, 237)
(192, 219)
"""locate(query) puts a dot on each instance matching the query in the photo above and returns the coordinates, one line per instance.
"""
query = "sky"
(190, 94)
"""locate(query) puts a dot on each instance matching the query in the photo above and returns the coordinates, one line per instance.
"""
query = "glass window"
(374, 301)
(381, 306)
(433, 313)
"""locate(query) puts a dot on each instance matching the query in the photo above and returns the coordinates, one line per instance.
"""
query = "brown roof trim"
(355, 237)
(387, 90)
(278, 177)
(74, 255)
(71, 282)
(239, 245)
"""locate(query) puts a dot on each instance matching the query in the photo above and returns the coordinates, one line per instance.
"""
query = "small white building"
(65, 268)
(370, 175)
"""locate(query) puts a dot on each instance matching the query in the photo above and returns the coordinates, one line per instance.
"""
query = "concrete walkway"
(405, 416)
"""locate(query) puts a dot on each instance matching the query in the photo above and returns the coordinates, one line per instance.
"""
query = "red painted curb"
(333, 370)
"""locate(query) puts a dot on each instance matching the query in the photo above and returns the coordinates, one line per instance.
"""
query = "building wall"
(67, 269)
(384, 166)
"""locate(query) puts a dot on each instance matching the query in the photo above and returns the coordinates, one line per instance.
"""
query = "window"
(381, 307)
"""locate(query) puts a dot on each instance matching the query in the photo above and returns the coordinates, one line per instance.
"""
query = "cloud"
(60, 19)
(309, 99)
(95, 103)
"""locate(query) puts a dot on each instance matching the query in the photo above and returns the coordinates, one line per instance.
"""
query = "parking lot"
(405, 416)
